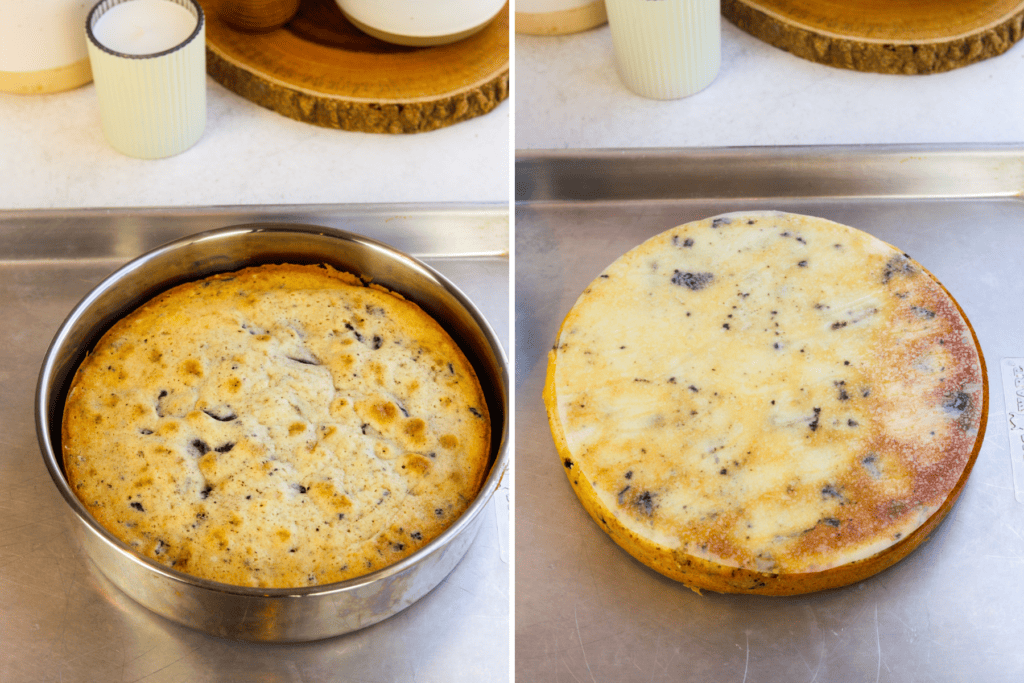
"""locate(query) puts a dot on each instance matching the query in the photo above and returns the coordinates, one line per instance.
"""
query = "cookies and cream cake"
(278, 426)
(766, 403)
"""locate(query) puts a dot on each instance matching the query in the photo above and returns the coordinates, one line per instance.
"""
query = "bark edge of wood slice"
(320, 69)
(891, 37)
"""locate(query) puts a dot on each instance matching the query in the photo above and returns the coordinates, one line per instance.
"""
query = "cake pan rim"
(49, 398)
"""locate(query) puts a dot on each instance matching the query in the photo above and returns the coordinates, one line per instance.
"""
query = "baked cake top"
(279, 426)
(767, 391)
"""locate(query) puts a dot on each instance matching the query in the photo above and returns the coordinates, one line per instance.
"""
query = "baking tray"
(60, 619)
(951, 611)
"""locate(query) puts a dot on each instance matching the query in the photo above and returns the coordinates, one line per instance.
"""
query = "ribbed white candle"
(666, 49)
(152, 105)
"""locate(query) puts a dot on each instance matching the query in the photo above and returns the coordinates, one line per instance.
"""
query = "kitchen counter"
(53, 155)
(568, 95)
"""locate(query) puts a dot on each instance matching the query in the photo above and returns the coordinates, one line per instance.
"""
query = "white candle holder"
(558, 17)
(666, 49)
(151, 105)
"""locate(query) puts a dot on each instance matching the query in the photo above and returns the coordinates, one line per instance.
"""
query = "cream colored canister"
(666, 49)
(42, 45)
(558, 17)
(150, 68)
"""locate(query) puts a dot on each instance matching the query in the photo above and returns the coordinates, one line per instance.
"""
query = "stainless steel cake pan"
(293, 614)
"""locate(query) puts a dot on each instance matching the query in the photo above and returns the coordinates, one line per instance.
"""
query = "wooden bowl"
(259, 15)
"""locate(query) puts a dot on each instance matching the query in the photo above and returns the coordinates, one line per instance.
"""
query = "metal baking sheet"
(60, 620)
(951, 611)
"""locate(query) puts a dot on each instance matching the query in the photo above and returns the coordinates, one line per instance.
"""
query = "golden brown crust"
(278, 426)
(858, 489)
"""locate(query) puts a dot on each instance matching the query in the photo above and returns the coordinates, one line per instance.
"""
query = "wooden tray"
(322, 70)
(884, 36)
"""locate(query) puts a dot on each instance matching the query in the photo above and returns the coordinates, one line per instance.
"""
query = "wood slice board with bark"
(884, 36)
(320, 69)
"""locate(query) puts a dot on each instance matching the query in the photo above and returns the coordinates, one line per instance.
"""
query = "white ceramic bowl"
(420, 22)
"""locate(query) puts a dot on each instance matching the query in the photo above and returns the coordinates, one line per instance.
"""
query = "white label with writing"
(1013, 394)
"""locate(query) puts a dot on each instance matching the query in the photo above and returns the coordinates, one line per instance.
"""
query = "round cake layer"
(279, 426)
(766, 403)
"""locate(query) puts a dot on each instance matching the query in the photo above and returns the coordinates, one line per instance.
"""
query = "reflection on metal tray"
(62, 619)
(950, 611)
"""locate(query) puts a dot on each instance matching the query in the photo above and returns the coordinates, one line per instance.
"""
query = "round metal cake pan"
(281, 614)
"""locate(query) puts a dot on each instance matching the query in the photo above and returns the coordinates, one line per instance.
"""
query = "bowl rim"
(412, 28)
(46, 395)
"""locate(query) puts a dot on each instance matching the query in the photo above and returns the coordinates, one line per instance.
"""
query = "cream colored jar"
(152, 97)
(42, 45)
(666, 49)
(558, 17)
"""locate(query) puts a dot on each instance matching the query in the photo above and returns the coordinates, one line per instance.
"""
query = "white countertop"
(568, 95)
(53, 155)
